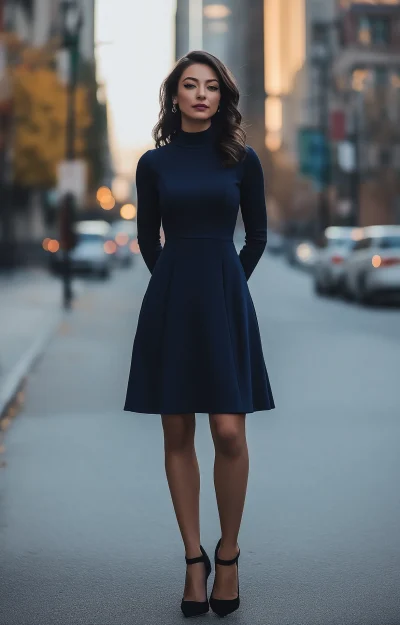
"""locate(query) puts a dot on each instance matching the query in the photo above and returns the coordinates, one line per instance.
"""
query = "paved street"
(88, 535)
(31, 300)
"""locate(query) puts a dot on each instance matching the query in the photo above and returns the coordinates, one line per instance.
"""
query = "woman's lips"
(201, 107)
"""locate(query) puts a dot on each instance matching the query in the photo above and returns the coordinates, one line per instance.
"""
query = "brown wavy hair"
(231, 136)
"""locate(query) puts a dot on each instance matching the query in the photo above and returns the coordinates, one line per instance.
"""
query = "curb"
(15, 378)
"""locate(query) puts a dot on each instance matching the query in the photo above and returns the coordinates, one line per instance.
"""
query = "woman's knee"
(228, 432)
(179, 431)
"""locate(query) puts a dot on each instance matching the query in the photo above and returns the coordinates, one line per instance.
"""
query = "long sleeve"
(254, 212)
(148, 212)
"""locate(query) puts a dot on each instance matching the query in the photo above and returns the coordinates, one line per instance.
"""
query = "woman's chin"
(202, 116)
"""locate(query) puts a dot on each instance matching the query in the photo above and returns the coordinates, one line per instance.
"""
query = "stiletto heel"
(195, 608)
(223, 607)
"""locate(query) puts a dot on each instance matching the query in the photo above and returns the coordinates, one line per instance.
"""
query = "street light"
(72, 21)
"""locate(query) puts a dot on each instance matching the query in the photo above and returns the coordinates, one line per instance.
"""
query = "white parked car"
(329, 263)
(373, 268)
(93, 252)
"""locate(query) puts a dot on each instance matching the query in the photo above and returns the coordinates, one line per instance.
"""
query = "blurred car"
(93, 252)
(329, 263)
(373, 267)
(124, 232)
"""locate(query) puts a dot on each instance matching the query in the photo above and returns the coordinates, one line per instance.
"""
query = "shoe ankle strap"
(194, 560)
(227, 562)
(198, 558)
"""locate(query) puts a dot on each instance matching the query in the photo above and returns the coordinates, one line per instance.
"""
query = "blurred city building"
(234, 32)
(366, 93)
(319, 84)
(34, 134)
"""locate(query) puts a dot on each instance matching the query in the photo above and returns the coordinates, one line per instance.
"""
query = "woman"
(197, 346)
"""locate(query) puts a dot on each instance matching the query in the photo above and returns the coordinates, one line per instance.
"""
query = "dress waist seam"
(173, 238)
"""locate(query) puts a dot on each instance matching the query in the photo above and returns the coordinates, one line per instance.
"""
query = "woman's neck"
(188, 125)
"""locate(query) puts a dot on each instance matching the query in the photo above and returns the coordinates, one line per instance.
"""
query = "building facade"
(367, 91)
(234, 32)
(28, 209)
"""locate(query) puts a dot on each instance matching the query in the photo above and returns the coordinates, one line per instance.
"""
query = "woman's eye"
(187, 85)
(213, 88)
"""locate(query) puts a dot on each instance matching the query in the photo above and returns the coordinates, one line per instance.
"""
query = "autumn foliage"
(40, 113)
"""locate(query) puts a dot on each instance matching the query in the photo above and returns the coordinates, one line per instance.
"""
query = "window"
(390, 242)
(363, 244)
(380, 30)
(381, 76)
(90, 238)
(364, 31)
(373, 30)
(345, 243)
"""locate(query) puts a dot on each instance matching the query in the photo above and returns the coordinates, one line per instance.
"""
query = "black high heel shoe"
(223, 607)
(195, 608)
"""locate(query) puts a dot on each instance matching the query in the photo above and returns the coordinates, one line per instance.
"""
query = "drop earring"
(174, 109)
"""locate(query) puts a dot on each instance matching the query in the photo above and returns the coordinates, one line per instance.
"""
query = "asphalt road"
(88, 534)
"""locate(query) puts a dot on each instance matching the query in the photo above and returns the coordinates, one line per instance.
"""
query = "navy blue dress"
(197, 346)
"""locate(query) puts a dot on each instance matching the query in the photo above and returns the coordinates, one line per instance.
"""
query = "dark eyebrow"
(191, 78)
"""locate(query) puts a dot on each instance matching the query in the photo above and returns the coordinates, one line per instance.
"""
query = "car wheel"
(319, 289)
(346, 293)
(362, 295)
(105, 273)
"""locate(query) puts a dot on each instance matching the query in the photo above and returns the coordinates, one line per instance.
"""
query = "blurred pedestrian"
(68, 239)
(197, 346)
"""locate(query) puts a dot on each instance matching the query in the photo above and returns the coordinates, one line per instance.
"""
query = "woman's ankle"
(193, 551)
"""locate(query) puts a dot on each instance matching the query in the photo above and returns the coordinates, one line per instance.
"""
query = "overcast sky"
(133, 66)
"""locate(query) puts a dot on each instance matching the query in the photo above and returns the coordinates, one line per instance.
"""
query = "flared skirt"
(197, 346)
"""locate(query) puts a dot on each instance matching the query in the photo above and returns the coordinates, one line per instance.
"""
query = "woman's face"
(198, 87)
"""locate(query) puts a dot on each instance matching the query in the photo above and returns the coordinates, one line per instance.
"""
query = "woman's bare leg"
(231, 469)
(183, 478)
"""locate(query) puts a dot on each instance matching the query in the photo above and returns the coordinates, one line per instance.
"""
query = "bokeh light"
(103, 194)
(216, 11)
(128, 211)
(122, 238)
(108, 203)
(53, 245)
(110, 247)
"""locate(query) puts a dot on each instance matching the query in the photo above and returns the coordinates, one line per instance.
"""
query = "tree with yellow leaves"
(40, 114)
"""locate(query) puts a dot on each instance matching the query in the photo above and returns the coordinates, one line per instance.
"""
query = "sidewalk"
(30, 311)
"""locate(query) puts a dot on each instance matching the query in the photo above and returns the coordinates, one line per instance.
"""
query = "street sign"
(72, 178)
(313, 155)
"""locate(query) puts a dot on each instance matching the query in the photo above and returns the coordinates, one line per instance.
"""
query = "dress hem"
(158, 412)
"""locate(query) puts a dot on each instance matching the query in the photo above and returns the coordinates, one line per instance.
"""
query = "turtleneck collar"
(195, 139)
